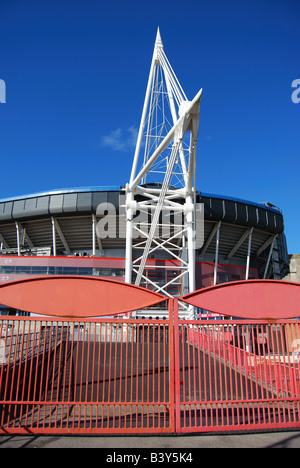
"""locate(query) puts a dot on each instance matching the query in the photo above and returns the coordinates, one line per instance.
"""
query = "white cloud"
(120, 140)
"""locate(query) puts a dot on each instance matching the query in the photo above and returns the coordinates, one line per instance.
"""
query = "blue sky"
(76, 74)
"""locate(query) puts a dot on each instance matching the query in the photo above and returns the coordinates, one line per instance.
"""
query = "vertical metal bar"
(285, 373)
(157, 327)
(81, 372)
(20, 359)
(143, 360)
(137, 366)
(93, 235)
(256, 362)
(126, 375)
(71, 398)
(53, 236)
(132, 376)
(166, 379)
(2, 375)
(58, 405)
(42, 372)
(18, 238)
(12, 360)
(53, 375)
(104, 371)
(183, 367)
(120, 377)
(189, 368)
(15, 381)
(217, 254)
(248, 254)
(94, 361)
(87, 373)
(175, 364)
(194, 394)
(30, 373)
(99, 367)
(48, 372)
(37, 369)
(153, 374)
(269, 258)
(200, 367)
(115, 371)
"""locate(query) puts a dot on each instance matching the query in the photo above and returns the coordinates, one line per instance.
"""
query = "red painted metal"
(106, 375)
(233, 375)
(93, 376)
(252, 299)
(76, 296)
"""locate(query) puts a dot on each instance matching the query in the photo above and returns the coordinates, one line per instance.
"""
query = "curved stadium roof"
(86, 199)
(73, 210)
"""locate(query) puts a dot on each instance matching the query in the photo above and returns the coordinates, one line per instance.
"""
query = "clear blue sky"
(76, 74)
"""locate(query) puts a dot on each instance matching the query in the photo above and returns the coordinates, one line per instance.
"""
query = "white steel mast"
(160, 196)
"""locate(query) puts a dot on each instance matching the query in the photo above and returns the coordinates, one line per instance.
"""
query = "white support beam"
(56, 227)
(209, 239)
(217, 253)
(18, 238)
(53, 236)
(249, 254)
(265, 245)
(3, 242)
(239, 243)
(95, 237)
(22, 237)
(269, 258)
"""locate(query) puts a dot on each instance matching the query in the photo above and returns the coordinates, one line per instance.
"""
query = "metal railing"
(112, 375)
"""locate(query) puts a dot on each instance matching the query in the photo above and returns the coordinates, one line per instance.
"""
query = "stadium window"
(8, 270)
(104, 271)
(85, 271)
(55, 270)
(70, 271)
(118, 272)
(39, 270)
(21, 270)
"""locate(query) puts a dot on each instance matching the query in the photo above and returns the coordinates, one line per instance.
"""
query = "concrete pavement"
(289, 439)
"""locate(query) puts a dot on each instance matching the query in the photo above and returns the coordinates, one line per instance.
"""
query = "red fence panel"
(105, 375)
(236, 375)
(89, 376)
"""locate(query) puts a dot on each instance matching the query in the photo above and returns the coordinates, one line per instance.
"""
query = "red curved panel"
(253, 299)
(75, 296)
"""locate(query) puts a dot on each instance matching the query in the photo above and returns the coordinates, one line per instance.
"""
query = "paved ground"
(157, 444)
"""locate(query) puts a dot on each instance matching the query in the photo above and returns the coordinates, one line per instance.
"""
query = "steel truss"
(161, 194)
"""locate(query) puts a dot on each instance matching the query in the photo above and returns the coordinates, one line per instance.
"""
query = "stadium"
(67, 232)
(56, 233)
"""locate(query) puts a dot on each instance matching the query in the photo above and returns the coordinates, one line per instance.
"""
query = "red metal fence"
(107, 376)
(125, 375)
(236, 375)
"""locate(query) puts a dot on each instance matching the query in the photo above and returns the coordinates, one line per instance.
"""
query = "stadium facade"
(56, 233)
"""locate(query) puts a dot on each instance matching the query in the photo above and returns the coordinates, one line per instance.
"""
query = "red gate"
(82, 370)
(239, 374)
(84, 375)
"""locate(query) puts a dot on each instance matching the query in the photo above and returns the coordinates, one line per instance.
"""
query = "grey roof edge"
(74, 201)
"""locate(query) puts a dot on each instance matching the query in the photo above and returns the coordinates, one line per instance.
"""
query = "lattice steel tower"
(161, 193)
